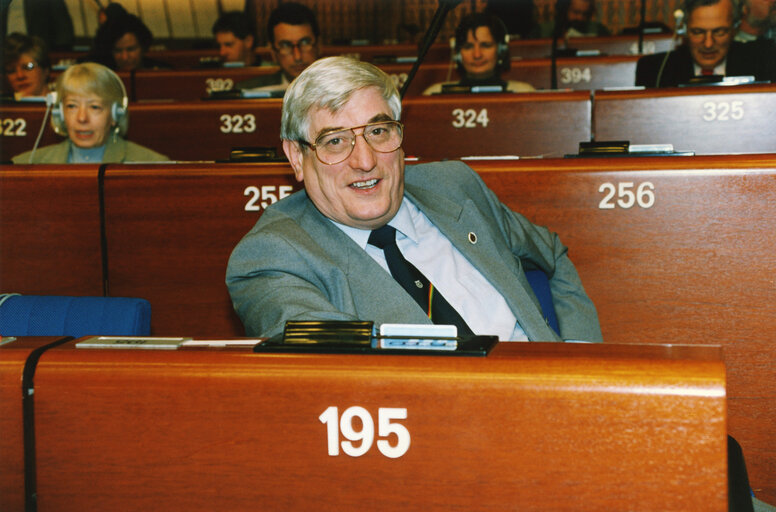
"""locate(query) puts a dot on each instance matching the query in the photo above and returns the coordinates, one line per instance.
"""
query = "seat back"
(52, 315)
(541, 288)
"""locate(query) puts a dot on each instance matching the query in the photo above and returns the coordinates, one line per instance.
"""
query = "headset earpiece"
(503, 58)
(456, 54)
(117, 112)
(57, 113)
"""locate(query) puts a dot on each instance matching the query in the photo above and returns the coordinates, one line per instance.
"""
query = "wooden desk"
(579, 73)
(50, 225)
(172, 230)
(437, 127)
(190, 84)
(693, 267)
(606, 45)
(707, 120)
(189, 130)
(20, 127)
(696, 265)
(13, 357)
(531, 426)
(530, 124)
(206, 130)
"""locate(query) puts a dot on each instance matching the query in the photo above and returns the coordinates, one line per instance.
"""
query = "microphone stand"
(642, 24)
(445, 6)
(558, 30)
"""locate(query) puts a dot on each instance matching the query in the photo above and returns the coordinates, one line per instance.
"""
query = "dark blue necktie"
(415, 283)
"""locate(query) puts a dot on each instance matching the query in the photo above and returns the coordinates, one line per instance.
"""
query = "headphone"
(503, 60)
(118, 109)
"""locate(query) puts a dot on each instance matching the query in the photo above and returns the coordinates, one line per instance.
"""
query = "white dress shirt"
(462, 285)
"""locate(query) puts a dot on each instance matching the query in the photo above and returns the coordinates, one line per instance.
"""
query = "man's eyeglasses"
(27, 66)
(335, 147)
(287, 47)
(716, 33)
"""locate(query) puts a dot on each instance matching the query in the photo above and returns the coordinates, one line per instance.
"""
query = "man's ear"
(295, 155)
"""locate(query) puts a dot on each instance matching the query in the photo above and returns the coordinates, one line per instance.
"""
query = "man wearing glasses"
(295, 41)
(709, 50)
(315, 254)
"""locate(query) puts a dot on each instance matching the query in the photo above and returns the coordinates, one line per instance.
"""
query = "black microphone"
(445, 6)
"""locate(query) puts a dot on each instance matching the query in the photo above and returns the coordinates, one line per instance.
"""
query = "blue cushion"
(50, 315)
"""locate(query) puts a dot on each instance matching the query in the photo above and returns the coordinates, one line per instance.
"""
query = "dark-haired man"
(295, 41)
(234, 36)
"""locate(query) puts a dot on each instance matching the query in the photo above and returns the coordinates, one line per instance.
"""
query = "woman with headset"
(482, 54)
(90, 109)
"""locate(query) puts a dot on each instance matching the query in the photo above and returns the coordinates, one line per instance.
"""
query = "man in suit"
(311, 256)
(295, 41)
(709, 50)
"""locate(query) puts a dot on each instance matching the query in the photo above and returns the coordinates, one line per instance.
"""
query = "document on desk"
(132, 342)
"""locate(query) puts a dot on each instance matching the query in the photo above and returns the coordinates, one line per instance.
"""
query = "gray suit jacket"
(295, 264)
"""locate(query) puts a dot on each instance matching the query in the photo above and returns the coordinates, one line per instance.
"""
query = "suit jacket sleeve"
(275, 274)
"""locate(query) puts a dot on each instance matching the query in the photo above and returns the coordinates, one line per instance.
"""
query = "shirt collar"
(718, 70)
(402, 221)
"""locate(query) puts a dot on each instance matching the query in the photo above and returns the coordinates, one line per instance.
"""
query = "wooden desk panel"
(694, 266)
(50, 225)
(21, 125)
(531, 426)
(13, 357)
(707, 120)
(578, 73)
(171, 231)
(205, 130)
(453, 126)
(190, 84)
(195, 130)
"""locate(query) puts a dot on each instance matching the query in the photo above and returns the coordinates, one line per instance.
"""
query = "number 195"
(366, 433)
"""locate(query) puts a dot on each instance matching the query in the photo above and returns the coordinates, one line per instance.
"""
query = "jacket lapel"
(115, 150)
(365, 283)
(476, 236)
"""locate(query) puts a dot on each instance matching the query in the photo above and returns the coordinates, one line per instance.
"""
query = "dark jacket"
(757, 59)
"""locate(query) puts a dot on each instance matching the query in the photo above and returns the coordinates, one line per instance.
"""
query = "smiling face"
(710, 32)
(88, 120)
(366, 189)
(479, 54)
(26, 76)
